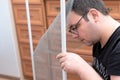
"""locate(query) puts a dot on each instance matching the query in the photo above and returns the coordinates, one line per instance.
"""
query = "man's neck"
(108, 30)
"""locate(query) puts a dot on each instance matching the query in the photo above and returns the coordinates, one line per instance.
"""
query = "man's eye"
(74, 26)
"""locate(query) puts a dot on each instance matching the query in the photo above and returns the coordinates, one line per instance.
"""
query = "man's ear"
(93, 15)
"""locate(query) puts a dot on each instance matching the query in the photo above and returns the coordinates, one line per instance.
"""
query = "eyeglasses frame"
(73, 28)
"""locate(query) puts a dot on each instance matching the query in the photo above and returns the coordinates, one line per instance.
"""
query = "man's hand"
(73, 63)
(70, 62)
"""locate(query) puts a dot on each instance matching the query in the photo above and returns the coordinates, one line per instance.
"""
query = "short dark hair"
(82, 7)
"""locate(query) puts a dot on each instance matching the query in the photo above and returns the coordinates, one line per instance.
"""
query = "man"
(90, 22)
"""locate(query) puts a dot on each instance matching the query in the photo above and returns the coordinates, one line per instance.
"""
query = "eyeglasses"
(73, 28)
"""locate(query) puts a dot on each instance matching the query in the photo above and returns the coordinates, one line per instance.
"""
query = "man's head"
(85, 20)
(82, 7)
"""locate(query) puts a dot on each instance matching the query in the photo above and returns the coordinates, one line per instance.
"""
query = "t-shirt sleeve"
(113, 65)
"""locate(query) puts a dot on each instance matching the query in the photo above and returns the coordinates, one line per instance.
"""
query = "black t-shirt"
(107, 59)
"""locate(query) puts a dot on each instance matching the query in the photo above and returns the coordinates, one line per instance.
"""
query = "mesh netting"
(46, 65)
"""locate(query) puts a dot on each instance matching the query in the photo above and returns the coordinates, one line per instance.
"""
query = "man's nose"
(75, 36)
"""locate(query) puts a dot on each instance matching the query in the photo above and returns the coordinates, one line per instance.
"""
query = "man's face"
(86, 31)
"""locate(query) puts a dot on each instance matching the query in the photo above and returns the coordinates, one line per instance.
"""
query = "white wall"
(9, 61)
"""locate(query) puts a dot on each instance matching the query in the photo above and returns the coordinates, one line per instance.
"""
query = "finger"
(60, 55)
(61, 60)
(63, 65)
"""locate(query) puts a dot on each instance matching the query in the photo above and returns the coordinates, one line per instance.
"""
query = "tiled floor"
(4, 79)
(8, 78)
